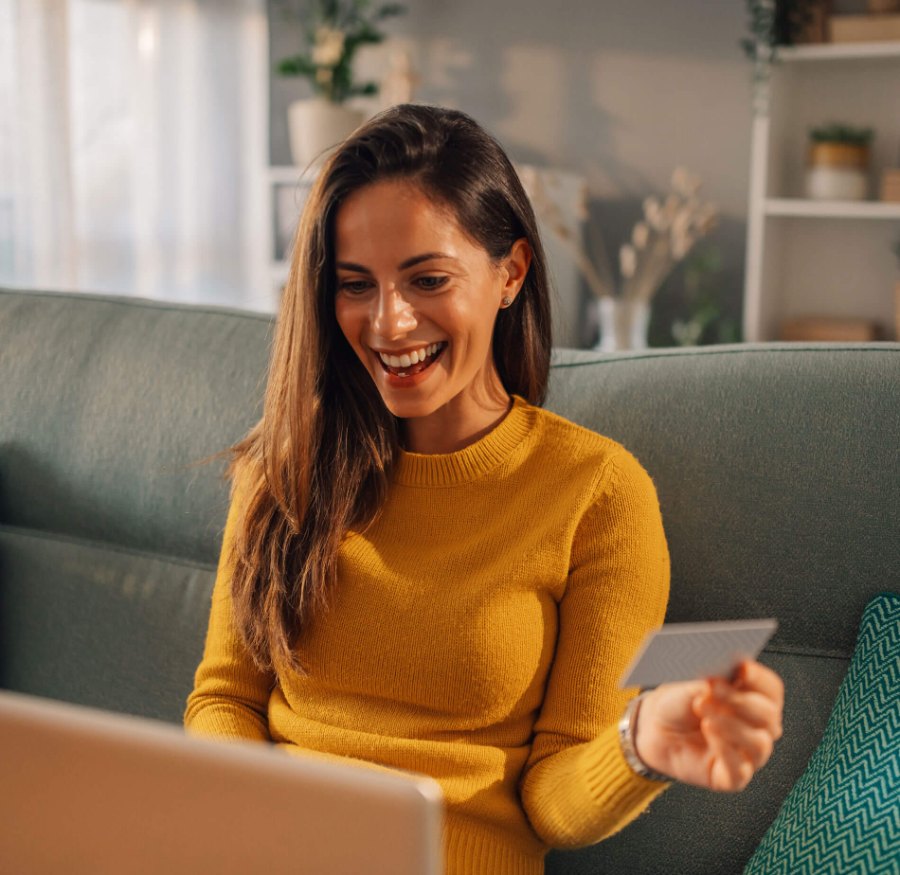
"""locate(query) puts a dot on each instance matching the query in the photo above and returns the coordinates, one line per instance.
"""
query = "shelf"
(839, 51)
(831, 209)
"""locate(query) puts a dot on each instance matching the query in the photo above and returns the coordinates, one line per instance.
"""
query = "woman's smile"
(406, 366)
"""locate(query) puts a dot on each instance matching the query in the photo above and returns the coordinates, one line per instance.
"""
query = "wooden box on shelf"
(890, 185)
(814, 28)
(864, 28)
(828, 328)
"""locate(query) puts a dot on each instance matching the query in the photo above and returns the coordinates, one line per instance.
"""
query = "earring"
(506, 301)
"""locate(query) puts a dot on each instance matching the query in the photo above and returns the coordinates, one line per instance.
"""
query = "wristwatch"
(627, 730)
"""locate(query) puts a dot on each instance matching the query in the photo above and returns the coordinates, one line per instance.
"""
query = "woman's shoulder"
(570, 452)
(589, 471)
(574, 441)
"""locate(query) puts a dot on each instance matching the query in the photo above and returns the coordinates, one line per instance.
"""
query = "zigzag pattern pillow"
(843, 814)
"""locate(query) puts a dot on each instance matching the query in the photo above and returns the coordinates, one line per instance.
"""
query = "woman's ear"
(515, 267)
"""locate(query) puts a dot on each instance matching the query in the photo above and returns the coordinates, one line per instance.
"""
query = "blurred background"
(145, 146)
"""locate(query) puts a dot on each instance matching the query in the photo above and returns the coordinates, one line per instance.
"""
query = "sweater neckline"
(471, 462)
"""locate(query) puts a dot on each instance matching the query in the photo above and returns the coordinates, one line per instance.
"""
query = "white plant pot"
(317, 125)
(836, 184)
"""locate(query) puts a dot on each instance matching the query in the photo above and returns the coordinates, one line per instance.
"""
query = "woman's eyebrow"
(418, 259)
(410, 262)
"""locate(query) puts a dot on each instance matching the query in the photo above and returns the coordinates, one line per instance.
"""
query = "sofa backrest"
(776, 467)
(109, 533)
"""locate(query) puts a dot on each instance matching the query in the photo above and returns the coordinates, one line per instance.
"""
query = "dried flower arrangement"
(664, 236)
(667, 232)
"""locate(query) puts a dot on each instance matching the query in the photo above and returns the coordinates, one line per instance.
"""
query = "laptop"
(88, 792)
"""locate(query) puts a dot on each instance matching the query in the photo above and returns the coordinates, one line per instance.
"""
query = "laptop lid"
(87, 791)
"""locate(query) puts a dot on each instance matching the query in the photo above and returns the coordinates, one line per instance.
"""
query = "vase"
(623, 324)
(317, 125)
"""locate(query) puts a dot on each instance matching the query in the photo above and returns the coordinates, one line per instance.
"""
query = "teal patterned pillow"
(843, 814)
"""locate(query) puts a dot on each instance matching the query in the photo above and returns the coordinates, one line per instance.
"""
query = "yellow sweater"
(476, 635)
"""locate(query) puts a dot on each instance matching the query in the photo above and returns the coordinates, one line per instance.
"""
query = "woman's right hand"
(714, 733)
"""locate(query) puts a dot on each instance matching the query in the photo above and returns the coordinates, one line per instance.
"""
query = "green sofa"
(776, 466)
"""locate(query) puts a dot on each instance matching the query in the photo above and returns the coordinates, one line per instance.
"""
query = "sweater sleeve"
(230, 695)
(577, 787)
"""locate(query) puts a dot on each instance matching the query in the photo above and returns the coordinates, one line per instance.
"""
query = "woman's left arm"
(577, 787)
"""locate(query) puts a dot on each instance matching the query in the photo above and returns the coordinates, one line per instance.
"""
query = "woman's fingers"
(729, 773)
(755, 677)
(753, 708)
(738, 741)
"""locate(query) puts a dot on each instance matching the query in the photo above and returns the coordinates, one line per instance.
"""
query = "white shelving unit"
(822, 258)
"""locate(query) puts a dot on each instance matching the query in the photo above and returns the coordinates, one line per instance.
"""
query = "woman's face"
(417, 300)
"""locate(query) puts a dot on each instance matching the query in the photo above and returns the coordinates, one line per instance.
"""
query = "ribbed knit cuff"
(610, 778)
(592, 794)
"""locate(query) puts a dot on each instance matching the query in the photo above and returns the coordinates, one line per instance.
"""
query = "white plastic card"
(692, 651)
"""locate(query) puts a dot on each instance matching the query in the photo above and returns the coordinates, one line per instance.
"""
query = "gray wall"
(621, 92)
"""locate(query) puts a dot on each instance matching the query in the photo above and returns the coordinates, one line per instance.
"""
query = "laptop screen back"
(86, 791)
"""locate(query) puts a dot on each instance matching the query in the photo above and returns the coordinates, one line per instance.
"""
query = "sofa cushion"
(98, 625)
(842, 816)
(108, 404)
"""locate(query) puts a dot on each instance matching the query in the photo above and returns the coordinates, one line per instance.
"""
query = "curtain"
(133, 148)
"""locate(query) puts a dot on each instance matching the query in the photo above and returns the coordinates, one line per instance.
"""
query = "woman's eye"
(354, 287)
(430, 283)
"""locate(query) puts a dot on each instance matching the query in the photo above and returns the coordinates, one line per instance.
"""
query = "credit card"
(693, 651)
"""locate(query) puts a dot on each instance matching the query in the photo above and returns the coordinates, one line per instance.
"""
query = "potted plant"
(838, 162)
(775, 23)
(333, 30)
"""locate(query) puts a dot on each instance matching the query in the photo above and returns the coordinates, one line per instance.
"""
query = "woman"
(421, 568)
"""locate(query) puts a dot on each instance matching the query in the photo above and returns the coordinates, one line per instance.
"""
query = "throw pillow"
(842, 815)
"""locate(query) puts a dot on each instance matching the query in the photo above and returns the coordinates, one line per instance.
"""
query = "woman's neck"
(459, 423)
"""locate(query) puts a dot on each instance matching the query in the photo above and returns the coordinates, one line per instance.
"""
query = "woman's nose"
(393, 315)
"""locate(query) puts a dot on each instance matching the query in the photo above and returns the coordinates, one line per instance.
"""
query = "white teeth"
(411, 358)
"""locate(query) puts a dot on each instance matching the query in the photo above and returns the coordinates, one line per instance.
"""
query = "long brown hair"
(319, 461)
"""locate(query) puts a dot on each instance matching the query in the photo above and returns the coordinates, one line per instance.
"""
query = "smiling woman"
(488, 568)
